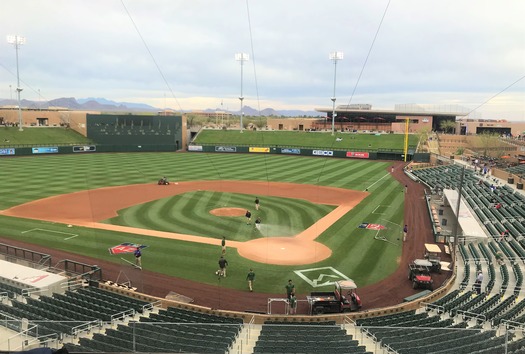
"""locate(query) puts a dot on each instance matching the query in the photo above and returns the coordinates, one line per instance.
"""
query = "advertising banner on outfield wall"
(45, 150)
(291, 151)
(86, 148)
(195, 148)
(7, 151)
(258, 149)
(357, 154)
(226, 149)
(322, 153)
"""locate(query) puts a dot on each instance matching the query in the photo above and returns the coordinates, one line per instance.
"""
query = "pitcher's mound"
(228, 212)
(284, 251)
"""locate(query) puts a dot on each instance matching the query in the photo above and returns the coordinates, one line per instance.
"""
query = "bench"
(417, 296)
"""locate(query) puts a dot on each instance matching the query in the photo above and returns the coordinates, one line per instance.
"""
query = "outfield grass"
(355, 251)
(349, 141)
(11, 136)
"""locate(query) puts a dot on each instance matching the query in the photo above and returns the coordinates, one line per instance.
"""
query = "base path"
(89, 208)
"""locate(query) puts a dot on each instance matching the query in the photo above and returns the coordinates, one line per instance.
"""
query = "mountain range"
(105, 105)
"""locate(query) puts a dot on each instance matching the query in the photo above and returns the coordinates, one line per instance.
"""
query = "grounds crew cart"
(342, 299)
(419, 274)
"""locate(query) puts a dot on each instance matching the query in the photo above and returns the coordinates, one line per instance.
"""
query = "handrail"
(348, 320)
(513, 324)
(85, 327)
(390, 349)
(468, 314)
(72, 284)
(151, 305)
(44, 339)
(30, 291)
(122, 315)
(20, 334)
(428, 305)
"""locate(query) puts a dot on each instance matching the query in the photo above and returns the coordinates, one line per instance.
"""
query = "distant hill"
(270, 112)
(102, 104)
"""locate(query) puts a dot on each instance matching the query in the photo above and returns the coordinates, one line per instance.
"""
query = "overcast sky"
(447, 52)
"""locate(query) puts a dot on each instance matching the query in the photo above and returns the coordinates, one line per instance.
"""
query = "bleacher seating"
(280, 337)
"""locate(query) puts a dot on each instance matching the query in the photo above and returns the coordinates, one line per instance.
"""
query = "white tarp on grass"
(467, 222)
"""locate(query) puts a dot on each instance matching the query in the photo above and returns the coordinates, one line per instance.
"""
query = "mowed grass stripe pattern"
(43, 176)
(189, 213)
(355, 251)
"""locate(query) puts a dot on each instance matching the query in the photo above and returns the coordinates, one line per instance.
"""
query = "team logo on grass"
(318, 277)
(126, 247)
(366, 225)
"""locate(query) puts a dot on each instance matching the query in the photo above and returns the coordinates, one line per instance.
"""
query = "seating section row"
(282, 337)
(171, 330)
(62, 313)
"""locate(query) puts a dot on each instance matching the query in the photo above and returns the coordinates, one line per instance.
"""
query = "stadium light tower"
(241, 58)
(334, 56)
(17, 41)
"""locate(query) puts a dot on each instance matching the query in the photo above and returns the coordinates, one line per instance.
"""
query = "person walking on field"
(138, 256)
(256, 203)
(258, 223)
(290, 289)
(405, 231)
(250, 278)
(223, 263)
(223, 245)
(293, 304)
(248, 217)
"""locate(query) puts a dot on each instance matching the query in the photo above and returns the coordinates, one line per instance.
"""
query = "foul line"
(383, 238)
(370, 186)
(377, 207)
(74, 235)
(131, 263)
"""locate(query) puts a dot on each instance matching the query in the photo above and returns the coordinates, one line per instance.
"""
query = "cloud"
(425, 52)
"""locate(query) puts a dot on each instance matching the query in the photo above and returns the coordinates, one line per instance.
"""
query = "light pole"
(241, 58)
(334, 56)
(17, 41)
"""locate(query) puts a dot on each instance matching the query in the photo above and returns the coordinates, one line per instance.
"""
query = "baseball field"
(180, 226)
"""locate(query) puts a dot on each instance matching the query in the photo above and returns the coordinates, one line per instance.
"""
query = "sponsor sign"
(45, 150)
(322, 153)
(225, 149)
(357, 154)
(126, 247)
(291, 151)
(86, 148)
(258, 149)
(8, 151)
(368, 226)
(195, 148)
